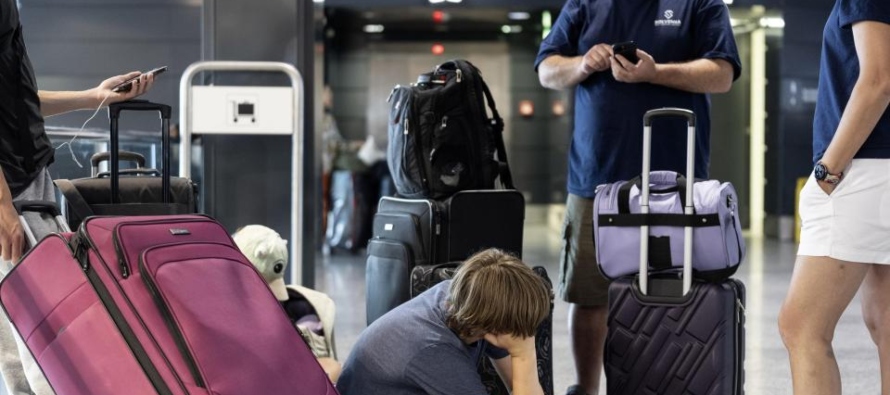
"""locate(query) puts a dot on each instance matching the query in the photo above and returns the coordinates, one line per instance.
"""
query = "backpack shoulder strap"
(496, 122)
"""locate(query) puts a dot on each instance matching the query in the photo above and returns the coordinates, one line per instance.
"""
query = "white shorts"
(853, 223)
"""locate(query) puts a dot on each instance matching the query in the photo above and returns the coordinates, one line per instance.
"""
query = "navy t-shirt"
(608, 138)
(411, 351)
(839, 70)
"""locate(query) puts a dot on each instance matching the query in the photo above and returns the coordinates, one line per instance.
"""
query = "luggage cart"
(248, 110)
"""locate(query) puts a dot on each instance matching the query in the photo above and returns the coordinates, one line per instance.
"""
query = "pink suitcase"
(155, 305)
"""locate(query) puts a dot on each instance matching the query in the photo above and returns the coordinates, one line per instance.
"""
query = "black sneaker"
(576, 390)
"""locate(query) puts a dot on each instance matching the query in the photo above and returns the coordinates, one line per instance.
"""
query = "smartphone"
(128, 84)
(628, 49)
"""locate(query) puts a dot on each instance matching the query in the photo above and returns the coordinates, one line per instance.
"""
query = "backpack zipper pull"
(459, 75)
(444, 122)
(406, 126)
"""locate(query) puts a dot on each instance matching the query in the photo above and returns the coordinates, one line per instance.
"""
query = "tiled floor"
(766, 272)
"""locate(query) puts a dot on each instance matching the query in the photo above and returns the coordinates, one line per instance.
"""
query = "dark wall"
(75, 44)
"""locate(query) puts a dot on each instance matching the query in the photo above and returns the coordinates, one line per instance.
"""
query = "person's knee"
(877, 320)
(799, 331)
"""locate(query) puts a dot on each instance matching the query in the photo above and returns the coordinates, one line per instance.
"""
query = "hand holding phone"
(628, 50)
(128, 84)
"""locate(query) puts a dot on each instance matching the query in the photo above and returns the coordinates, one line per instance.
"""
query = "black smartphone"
(628, 49)
(128, 84)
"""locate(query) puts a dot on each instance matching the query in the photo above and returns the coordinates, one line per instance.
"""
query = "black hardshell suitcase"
(667, 345)
(425, 277)
(671, 334)
(411, 232)
(137, 191)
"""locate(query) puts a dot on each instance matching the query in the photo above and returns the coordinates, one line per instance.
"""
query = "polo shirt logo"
(668, 20)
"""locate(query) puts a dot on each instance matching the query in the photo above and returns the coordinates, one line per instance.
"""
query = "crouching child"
(433, 343)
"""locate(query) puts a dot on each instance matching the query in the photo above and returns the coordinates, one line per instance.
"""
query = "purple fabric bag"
(712, 219)
(718, 247)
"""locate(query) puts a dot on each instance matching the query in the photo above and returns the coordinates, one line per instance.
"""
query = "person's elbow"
(545, 76)
(881, 83)
(724, 84)
(725, 77)
(548, 74)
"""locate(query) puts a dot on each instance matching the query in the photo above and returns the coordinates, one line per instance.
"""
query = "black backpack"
(441, 139)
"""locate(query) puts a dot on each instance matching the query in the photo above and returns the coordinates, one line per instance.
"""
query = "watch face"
(820, 172)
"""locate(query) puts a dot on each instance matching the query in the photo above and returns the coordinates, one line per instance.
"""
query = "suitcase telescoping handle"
(39, 206)
(644, 202)
(114, 112)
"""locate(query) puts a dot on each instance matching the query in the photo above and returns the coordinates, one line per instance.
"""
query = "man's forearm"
(699, 76)
(58, 102)
(560, 72)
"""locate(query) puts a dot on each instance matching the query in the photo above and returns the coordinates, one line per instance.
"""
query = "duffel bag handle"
(644, 199)
(660, 182)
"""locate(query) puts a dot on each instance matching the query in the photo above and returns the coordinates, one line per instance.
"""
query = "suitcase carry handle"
(39, 206)
(132, 172)
(114, 111)
(128, 156)
(688, 208)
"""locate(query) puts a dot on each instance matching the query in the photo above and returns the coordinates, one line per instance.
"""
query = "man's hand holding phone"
(126, 86)
(633, 72)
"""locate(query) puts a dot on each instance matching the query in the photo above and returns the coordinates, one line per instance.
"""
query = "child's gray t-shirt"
(411, 351)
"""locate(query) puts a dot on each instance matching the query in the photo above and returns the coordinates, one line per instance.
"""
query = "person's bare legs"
(587, 333)
(876, 312)
(821, 289)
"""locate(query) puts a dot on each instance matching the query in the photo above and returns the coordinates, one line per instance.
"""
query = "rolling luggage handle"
(688, 208)
(128, 156)
(41, 206)
(114, 111)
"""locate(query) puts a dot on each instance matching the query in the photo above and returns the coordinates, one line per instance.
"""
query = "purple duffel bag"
(621, 214)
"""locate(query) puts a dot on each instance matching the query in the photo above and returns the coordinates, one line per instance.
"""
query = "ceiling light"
(519, 16)
(373, 29)
(507, 29)
(727, 1)
(772, 22)
(443, 1)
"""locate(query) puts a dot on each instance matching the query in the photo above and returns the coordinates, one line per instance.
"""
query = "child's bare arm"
(523, 359)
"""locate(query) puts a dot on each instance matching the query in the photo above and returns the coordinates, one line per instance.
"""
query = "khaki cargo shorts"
(580, 279)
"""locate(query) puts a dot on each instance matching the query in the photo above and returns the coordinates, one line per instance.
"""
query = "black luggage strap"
(497, 126)
(75, 200)
(678, 220)
(497, 123)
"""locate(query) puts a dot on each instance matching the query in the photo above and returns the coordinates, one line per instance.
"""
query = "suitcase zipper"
(121, 258)
(81, 245)
(122, 262)
(168, 318)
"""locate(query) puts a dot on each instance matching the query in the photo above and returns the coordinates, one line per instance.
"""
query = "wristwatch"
(820, 171)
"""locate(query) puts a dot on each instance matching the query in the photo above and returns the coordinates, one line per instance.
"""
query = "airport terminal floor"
(766, 272)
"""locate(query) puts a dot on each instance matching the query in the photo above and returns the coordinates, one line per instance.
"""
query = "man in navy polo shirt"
(686, 51)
